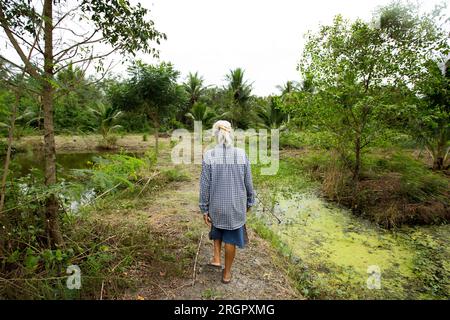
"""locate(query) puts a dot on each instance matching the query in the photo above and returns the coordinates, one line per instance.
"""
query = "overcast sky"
(264, 37)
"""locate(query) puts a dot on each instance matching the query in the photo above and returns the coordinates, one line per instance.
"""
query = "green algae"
(337, 248)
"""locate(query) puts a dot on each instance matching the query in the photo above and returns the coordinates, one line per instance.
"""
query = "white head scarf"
(223, 132)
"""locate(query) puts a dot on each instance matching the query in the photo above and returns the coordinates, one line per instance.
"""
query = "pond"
(351, 258)
(24, 162)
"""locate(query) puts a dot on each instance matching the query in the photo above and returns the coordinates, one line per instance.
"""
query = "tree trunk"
(155, 121)
(356, 172)
(441, 149)
(438, 163)
(156, 140)
(51, 207)
(8, 154)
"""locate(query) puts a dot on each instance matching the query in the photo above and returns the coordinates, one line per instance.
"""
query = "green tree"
(239, 93)
(288, 87)
(270, 114)
(194, 87)
(292, 93)
(154, 90)
(288, 91)
(107, 117)
(75, 96)
(117, 25)
(355, 67)
(430, 123)
(201, 112)
(195, 90)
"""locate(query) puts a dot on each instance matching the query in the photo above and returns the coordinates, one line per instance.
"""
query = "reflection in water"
(24, 162)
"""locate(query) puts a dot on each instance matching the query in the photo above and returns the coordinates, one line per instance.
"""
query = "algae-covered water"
(349, 257)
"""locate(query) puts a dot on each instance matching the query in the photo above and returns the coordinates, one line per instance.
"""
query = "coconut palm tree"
(290, 91)
(239, 90)
(107, 117)
(270, 115)
(194, 87)
(288, 87)
(201, 112)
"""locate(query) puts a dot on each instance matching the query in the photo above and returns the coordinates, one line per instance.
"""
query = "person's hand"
(207, 219)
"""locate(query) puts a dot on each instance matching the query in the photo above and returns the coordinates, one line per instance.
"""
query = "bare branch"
(88, 40)
(27, 42)
(28, 66)
(21, 68)
(73, 32)
(70, 57)
(91, 57)
(69, 12)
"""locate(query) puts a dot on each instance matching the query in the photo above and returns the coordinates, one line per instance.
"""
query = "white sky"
(264, 37)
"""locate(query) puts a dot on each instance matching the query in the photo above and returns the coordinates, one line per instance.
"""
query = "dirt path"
(256, 273)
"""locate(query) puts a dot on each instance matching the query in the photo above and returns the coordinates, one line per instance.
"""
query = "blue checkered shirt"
(226, 187)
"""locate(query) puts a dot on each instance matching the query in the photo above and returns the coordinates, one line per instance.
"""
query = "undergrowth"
(105, 247)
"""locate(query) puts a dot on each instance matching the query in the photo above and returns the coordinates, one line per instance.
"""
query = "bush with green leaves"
(114, 171)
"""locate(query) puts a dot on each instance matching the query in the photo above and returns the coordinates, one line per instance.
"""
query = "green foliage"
(211, 294)
(153, 89)
(429, 266)
(395, 188)
(417, 183)
(239, 96)
(175, 174)
(201, 112)
(151, 92)
(270, 115)
(307, 138)
(112, 172)
(430, 123)
(288, 87)
(299, 272)
(360, 73)
(194, 87)
(124, 26)
(107, 118)
(76, 96)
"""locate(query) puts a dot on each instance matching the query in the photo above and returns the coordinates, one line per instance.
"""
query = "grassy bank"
(87, 143)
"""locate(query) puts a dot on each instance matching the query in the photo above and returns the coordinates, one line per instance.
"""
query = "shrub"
(306, 138)
(175, 174)
(112, 171)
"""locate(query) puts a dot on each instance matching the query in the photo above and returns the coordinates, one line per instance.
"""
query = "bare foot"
(226, 277)
(215, 263)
